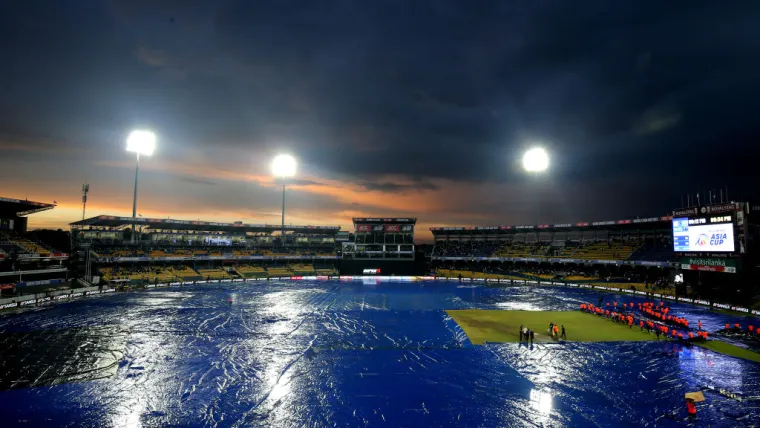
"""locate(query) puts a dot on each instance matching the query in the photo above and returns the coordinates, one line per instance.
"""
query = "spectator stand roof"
(651, 223)
(22, 207)
(384, 220)
(204, 226)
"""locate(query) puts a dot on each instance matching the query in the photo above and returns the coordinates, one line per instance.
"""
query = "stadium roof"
(630, 224)
(21, 208)
(206, 226)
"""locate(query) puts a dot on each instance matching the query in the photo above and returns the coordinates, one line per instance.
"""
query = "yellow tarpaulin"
(696, 396)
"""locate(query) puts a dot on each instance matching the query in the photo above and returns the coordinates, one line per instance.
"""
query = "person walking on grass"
(564, 336)
(521, 333)
(532, 335)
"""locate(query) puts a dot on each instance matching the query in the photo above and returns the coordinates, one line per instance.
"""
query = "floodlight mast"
(535, 161)
(139, 142)
(283, 166)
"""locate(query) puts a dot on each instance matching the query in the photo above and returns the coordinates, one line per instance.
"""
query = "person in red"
(699, 325)
(691, 407)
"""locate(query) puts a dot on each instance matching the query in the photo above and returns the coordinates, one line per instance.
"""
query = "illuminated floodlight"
(536, 160)
(141, 142)
(284, 166)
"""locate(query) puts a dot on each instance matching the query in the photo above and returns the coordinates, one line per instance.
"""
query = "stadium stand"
(279, 271)
(193, 250)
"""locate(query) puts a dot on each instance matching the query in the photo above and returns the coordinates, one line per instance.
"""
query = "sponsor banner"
(238, 280)
(43, 300)
(162, 285)
(74, 295)
(721, 305)
(61, 297)
(346, 278)
(739, 309)
(702, 302)
(645, 263)
(642, 293)
(175, 283)
(393, 228)
(150, 286)
(721, 208)
(606, 262)
(685, 212)
(363, 227)
(322, 277)
(41, 282)
(108, 290)
(296, 278)
(261, 279)
(685, 299)
(310, 278)
(28, 302)
(756, 312)
(518, 281)
(479, 279)
(9, 305)
(492, 279)
(704, 261)
(657, 295)
(646, 220)
(724, 269)
(627, 291)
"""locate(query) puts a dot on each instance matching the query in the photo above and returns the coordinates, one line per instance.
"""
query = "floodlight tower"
(85, 189)
(141, 142)
(283, 167)
(535, 161)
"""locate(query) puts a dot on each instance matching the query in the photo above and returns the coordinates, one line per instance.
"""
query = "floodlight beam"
(283, 166)
(139, 142)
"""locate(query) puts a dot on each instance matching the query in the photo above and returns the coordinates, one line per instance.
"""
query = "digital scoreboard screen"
(704, 235)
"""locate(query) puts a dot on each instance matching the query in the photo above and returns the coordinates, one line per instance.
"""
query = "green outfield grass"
(503, 326)
(732, 350)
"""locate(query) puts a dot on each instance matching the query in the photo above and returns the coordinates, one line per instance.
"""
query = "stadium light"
(535, 160)
(283, 166)
(140, 142)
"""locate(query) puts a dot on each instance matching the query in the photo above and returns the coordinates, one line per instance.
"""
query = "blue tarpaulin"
(332, 353)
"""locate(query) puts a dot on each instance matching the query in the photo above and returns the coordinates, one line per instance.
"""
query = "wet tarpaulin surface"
(347, 354)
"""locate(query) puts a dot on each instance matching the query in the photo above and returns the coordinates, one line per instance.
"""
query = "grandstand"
(178, 250)
(621, 242)
(25, 261)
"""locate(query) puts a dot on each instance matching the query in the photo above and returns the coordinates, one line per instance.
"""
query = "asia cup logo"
(702, 240)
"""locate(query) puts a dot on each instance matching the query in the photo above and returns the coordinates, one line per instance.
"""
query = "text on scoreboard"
(703, 235)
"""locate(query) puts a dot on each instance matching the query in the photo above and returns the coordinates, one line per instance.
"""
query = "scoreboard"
(382, 237)
(710, 237)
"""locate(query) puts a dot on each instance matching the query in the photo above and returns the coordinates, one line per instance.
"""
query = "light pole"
(140, 142)
(283, 167)
(535, 161)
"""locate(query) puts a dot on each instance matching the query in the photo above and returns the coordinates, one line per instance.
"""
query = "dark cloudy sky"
(393, 107)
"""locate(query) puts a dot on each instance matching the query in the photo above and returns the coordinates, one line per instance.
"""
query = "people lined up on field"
(649, 325)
